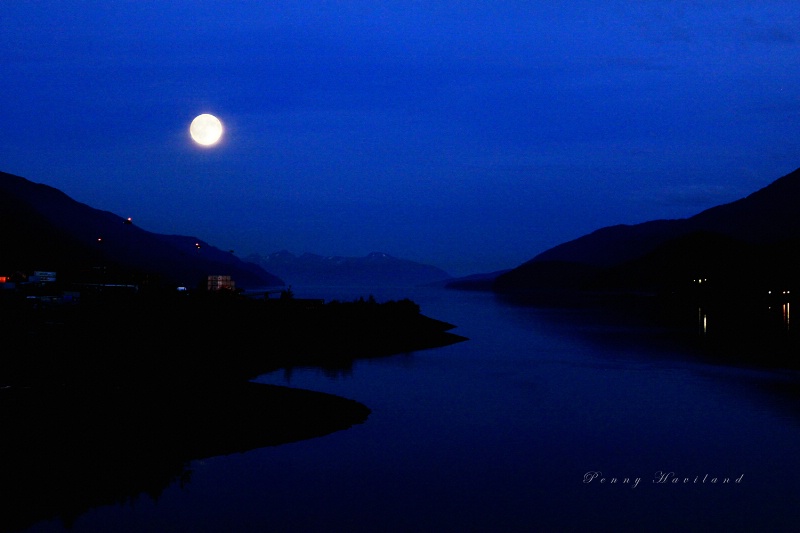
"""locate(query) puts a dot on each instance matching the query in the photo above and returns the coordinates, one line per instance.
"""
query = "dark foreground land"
(65, 450)
(114, 397)
(174, 340)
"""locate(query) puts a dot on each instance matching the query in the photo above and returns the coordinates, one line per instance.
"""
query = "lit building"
(216, 283)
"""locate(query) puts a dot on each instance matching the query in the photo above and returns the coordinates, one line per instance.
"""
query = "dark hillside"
(45, 229)
(731, 241)
(769, 215)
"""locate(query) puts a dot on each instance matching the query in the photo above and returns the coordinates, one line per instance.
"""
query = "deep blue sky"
(469, 135)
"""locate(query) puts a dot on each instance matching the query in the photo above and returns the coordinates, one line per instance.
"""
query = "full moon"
(206, 129)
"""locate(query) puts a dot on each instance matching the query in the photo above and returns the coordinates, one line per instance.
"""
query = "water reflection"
(758, 333)
(753, 332)
(702, 321)
(786, 314)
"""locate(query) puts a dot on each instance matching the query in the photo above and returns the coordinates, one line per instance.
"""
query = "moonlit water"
(498, 433)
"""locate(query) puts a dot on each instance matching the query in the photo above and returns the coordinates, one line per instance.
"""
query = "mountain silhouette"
(748, 242)
(44, 229)
(377, 269)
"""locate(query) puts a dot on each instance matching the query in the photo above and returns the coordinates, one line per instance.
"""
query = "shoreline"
(115, 398)
(66, 450)
(184, 341)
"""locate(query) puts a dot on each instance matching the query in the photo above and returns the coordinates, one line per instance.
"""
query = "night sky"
(468, 135)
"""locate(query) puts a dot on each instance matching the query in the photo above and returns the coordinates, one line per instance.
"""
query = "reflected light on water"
(702, 321)
(786, 315)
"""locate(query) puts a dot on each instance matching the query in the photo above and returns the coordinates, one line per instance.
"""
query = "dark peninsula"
(128, 354)
(116, 394)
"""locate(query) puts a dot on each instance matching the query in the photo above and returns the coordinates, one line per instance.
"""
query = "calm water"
(498, 434)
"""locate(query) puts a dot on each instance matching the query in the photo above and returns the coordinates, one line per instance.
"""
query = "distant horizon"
(458, 272)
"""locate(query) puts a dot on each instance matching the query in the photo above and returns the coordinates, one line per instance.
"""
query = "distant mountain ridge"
(376, 268)
(44, 229)
(755, 237)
